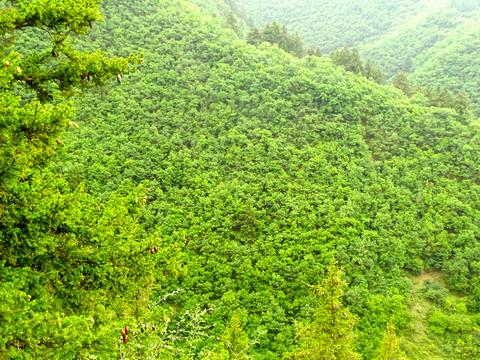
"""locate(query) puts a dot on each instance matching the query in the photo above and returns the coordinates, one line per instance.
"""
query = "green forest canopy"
(262, 167)
(433, 41)
(240, 145)
(331, 24)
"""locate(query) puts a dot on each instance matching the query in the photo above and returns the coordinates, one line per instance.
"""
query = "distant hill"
(331, 24)
(256, 171)
(454, 61)
(434, 41)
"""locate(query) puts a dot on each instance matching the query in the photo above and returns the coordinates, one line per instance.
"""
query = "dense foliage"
(436, 42)
(70, 265)
(329, 334)
(453, 62)
(261, 167)
(331, 24)
(438, 49)
(268, 165)
(351, 61)
(276, 33)
(400, 49)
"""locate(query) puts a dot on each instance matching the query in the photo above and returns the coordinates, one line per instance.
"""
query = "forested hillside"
(265, 166)
(261, 167)
(453, 62)
(435, 41)
(438, 49)
(331, 24)
(409, 45)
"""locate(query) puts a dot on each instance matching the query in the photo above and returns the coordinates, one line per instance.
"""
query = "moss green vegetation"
(403, 48)
(261, 167)
(329, 333)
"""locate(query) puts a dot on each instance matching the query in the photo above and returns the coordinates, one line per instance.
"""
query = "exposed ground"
(417, 343)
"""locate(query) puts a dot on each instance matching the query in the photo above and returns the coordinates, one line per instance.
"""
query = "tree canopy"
(268, 165)
(254, 168)
(70, 264)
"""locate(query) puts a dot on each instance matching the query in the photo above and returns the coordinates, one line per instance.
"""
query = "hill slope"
(454, 61)
(435, 41)
(413, 39)
(331, 24)
(264, 166)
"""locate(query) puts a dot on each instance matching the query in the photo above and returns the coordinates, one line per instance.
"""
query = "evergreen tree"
(378, 76)
(369, 69)
(69, 264)
(462, 103)
(440, 98)
(235, 340)
(232, 23)
(275, 33)
(400, 81)
(374, 73)
(342, 57)
(356, 64)
(329, 335)
(445, 98)
(349, 59)
(250, 22)
(407, 64)
(390, 343)
(314, 52)
(295, 45)
(254, 36)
